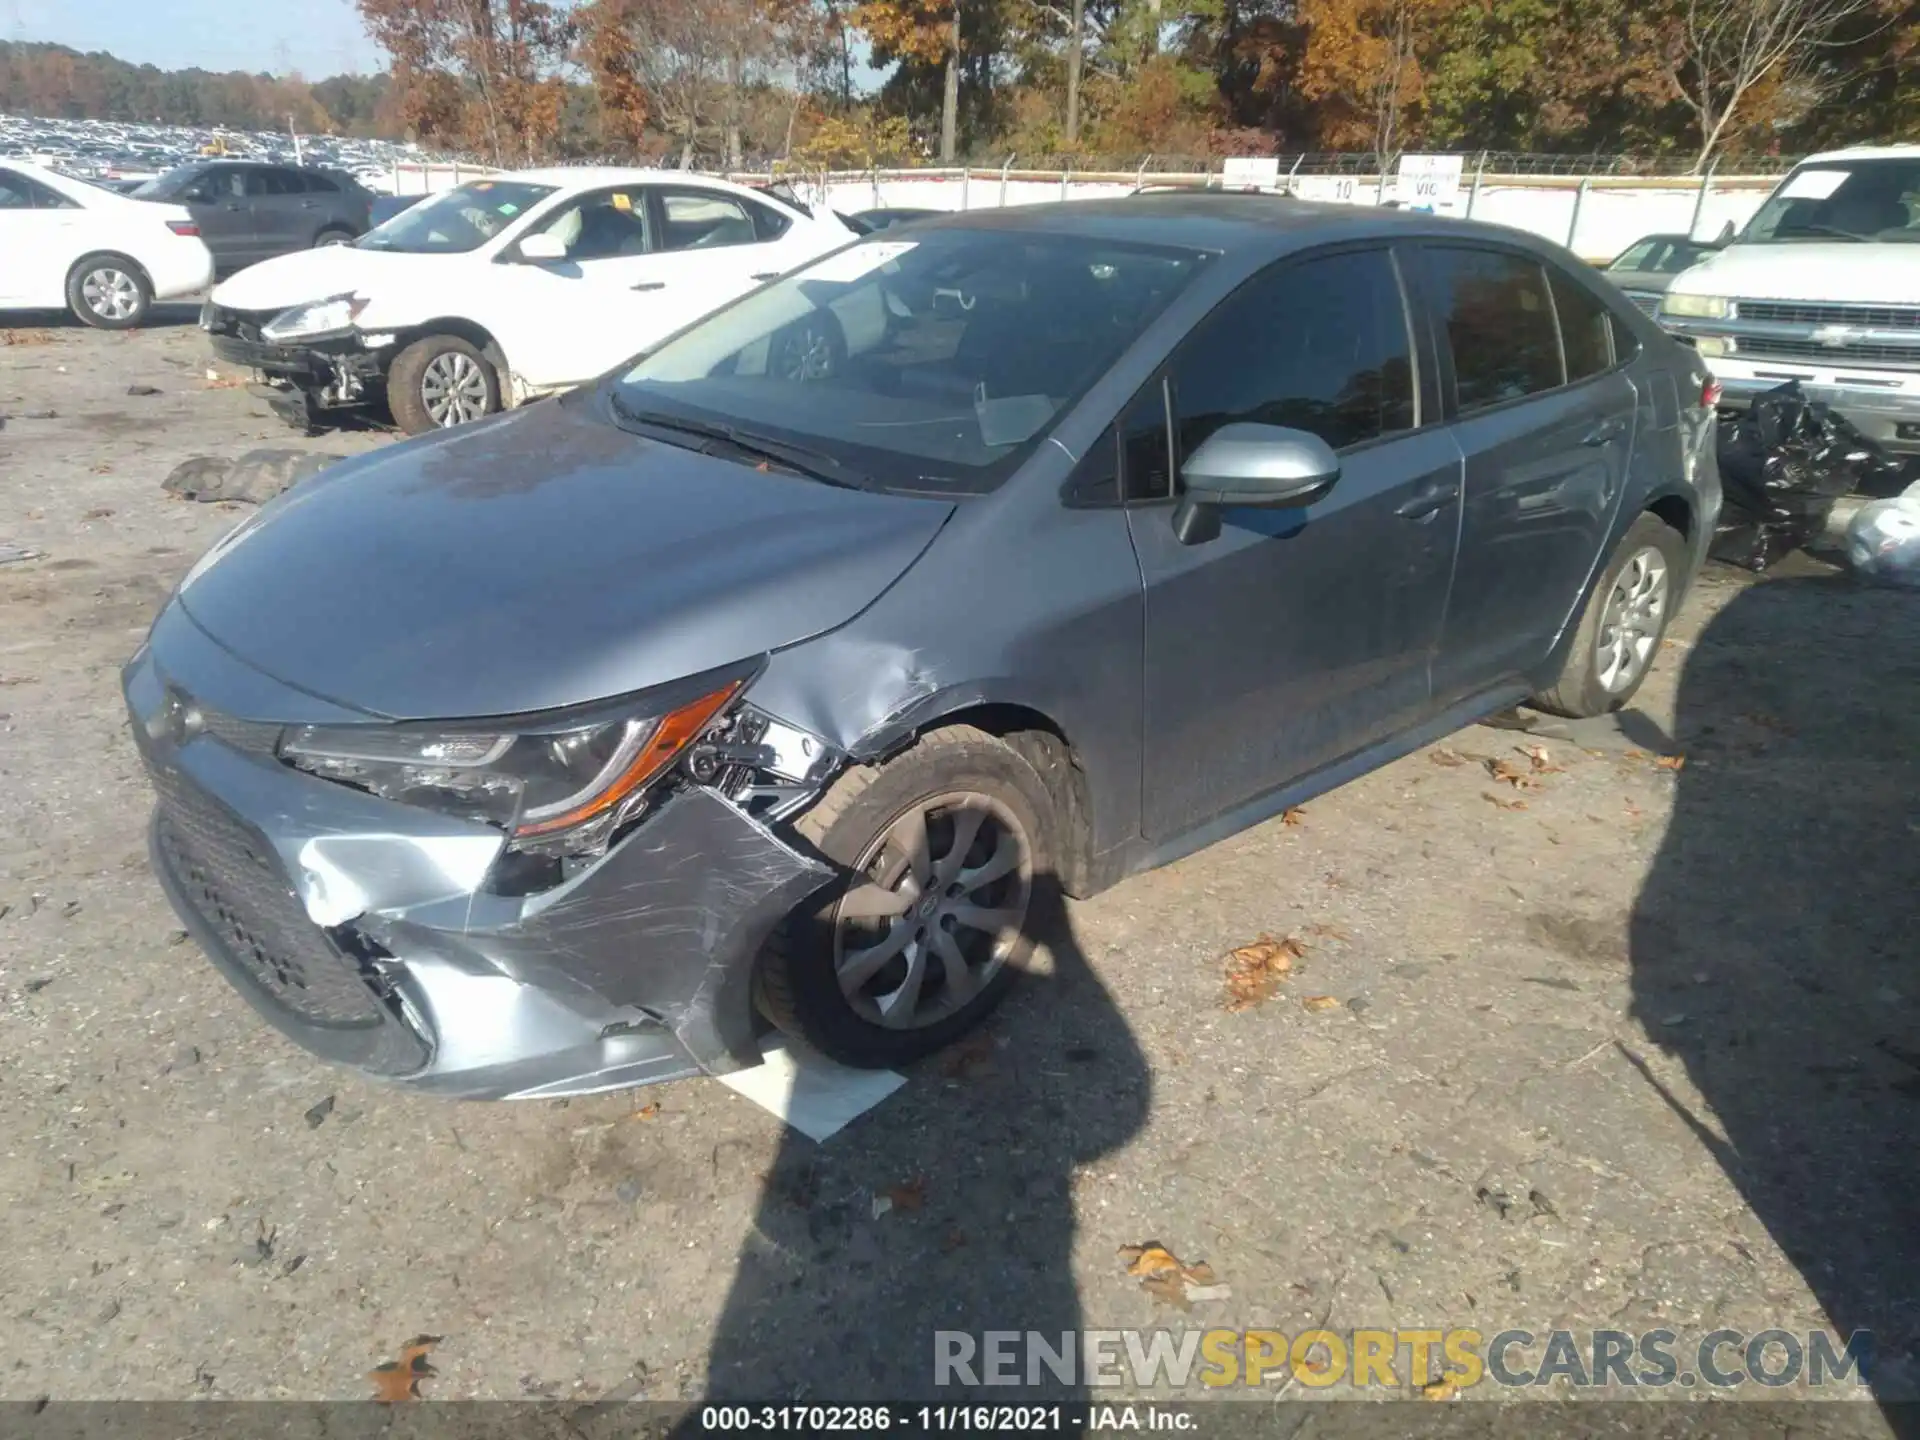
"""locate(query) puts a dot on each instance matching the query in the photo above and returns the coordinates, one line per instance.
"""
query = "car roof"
(582, 176)
(1866, 152)
(1253, 224)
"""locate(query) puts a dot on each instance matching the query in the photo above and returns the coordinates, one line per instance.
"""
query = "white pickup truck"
(1823, 287)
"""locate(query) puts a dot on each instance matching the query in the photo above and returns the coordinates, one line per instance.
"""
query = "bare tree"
(1721, 50)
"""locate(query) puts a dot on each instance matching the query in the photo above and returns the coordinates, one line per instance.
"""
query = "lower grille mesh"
(244, 896)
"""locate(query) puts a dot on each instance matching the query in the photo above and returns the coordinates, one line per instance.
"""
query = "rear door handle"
(1603, 432)
(1428, 498)
(651, 285)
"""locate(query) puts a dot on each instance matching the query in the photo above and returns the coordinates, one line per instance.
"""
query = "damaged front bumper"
(304, 379)
(365, 930)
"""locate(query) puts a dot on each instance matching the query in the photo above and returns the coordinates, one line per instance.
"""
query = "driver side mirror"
(1266, 466)
(543, 247)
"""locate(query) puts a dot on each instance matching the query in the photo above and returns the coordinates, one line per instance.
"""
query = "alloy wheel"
(942, 899)
(453, 389)
(1631, 622)
(110, 292)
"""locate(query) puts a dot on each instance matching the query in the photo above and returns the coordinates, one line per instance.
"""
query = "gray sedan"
(766, 682)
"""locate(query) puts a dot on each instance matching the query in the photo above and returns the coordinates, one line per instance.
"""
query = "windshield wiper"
(815, 464)
(1828, 230)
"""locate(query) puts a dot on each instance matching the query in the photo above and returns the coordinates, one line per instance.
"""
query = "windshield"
(935, 363)
(456, 221)
(1865, 200)
(1661, 255)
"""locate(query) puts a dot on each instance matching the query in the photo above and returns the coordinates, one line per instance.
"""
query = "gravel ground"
(1630, 1045)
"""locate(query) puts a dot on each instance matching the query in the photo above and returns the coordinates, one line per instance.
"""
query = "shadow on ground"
(830, 1303)
(1774, 943)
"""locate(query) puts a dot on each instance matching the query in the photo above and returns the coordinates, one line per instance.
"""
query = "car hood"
(305, 275)
(541, 559)
(1845, 272)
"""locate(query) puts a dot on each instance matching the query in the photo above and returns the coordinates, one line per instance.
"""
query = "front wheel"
(440, 382)
(1624, 621)
(108, 292)
(940, 848)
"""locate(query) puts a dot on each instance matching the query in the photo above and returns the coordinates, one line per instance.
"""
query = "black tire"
(334, 235)
(423, 361)
(813, 348)
(797, 987)
(1586, 685)
(108, 292)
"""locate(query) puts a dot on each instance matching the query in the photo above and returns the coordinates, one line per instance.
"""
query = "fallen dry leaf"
(1445, 1388)
(970, 1059)
(647, 1111)
(229, 383)
(1294, 815)
(1318, 1004)
(1633, 755)
(1446, 757)
(1514, 776)
(26, 337)
(1671, 762)
(1331, 932)
(1166, 1277)
(399, 1380)
(953, 1240)
(1503, 802)
(1255, 971)
(909, 1195)
(1541, 759)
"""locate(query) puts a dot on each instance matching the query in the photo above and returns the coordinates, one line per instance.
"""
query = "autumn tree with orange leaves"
(478, 74)
(1365, 66)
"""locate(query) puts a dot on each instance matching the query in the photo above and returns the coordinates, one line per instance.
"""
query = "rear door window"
(1497, 314)
(1586, 330)
(1320, 345)
(704, 220)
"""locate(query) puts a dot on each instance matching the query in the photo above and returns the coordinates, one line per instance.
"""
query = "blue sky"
(316, 37)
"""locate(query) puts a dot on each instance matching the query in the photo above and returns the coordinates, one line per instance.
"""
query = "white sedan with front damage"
(511, 287)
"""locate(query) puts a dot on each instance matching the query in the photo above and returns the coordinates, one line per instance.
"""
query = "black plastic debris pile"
(1783, 462)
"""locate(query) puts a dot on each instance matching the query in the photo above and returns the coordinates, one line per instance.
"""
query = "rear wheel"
(440, 382)
(941, 847)
(109, 292)
(1625, 619)
(333, 236)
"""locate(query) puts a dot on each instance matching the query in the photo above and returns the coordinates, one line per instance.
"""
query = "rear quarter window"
(1586, 329)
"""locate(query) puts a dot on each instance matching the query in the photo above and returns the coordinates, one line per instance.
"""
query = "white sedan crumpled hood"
(321, 274)
(1845, 272)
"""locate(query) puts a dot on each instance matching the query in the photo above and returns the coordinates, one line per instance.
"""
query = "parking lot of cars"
(1593, 1023)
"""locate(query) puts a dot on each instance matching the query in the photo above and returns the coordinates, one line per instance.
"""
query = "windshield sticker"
(507, 207)
(483, 185)
(622, 200)
(857, 261)
(1813, 184)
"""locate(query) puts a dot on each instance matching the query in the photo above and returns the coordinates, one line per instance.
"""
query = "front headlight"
(317, 317)
(1697, 307)
(557, 787)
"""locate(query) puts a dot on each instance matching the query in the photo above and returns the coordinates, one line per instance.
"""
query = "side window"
(1320, 345)
(1586, 330)
(45, 197)
(605, 225)
(320, 184)
(1636, 256)
(14, 194)
(260, 184)
(1499, 323)
(702, 220)
(769, 223)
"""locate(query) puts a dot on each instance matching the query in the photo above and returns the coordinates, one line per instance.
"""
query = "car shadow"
(164, 315)
(948, 1208)
(1773, 942)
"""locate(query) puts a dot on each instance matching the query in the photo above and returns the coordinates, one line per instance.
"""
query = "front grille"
(238, 888)
(1796, 312)
(1905, 357)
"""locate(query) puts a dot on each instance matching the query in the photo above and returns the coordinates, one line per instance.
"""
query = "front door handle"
(766, 275)
(1603, 432)
(651, 285)
(1427, 499)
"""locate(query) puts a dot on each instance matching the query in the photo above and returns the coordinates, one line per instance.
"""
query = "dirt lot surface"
(1629, 1044)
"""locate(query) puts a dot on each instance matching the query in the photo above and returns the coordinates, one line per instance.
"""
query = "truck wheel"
(439, 382)
(1621, 628)
(941, 847)
(109, 292)
(333, 235)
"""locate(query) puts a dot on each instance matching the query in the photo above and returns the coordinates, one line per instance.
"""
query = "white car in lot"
(507, 288)
(68, 245)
